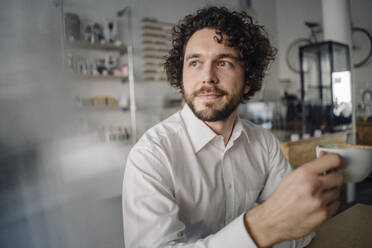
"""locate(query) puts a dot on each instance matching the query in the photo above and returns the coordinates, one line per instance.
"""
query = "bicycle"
(361, 45)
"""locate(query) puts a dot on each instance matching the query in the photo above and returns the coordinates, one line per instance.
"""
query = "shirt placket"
(229, 187)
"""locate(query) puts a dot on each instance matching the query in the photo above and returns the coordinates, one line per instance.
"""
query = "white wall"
(361, 16)
(266, 15)
(291, 16)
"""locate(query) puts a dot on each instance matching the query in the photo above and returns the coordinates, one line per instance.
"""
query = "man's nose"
(209, 74)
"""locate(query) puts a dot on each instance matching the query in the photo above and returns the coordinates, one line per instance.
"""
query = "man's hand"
(304, 200)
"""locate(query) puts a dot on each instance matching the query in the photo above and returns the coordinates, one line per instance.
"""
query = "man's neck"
(224, 127)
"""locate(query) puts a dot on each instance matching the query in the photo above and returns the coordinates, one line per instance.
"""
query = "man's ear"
(246, 89)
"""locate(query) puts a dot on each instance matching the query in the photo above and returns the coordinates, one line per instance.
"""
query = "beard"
(212, 111)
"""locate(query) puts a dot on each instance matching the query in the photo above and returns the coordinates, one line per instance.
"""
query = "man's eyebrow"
(191, 56)
(228, 55)
(219, 56)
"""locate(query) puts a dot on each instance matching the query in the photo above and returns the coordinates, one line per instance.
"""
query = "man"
(192, 180)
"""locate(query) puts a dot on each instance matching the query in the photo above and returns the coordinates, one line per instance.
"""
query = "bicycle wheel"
(362, 46)
(292, 56)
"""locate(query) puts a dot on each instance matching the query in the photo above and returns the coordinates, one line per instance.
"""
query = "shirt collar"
(239, 128)
(200, 134)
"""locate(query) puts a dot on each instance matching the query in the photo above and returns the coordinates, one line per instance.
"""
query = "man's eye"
(194, 63)
(224, 63)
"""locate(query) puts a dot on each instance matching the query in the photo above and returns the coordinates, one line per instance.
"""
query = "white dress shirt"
(184, 188)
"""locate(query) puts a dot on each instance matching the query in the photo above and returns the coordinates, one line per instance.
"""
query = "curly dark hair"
(250, 39)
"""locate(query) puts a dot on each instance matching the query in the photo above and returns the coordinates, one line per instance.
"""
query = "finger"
(322, 153)
(332, 208)
(324, 163)
(332, 179)
(330, 196)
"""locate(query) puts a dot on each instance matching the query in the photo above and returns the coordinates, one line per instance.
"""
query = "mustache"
(212, 89)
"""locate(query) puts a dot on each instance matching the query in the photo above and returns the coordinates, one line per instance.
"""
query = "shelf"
(154, 21)
(152, 49)
(318, 86)
(104, 77)
(155, 43)
(154, 79)
(85, 59)
(104, 108)
(151, 56)
(97, 46)
(158, 36)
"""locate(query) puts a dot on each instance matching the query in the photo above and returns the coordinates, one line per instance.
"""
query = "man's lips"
(209, 96)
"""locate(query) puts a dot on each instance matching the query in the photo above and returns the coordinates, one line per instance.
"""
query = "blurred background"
(81, 81)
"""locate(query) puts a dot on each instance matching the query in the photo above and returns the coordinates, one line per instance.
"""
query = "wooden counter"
(303, 151)
(349, 229)
(364, 133)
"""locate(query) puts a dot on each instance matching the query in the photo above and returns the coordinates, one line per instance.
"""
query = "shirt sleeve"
(150, 211)
(279, 167)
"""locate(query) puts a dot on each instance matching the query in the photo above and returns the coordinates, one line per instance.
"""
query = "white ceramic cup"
(357, 160)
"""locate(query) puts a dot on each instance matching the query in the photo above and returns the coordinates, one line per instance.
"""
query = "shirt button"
(230, 186)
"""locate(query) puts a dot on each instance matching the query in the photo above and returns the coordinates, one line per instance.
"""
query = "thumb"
(322, 153)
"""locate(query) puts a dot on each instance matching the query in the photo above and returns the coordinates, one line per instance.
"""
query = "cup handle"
(317, 151)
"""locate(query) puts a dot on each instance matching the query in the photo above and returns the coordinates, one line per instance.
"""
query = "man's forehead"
(209, 41)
